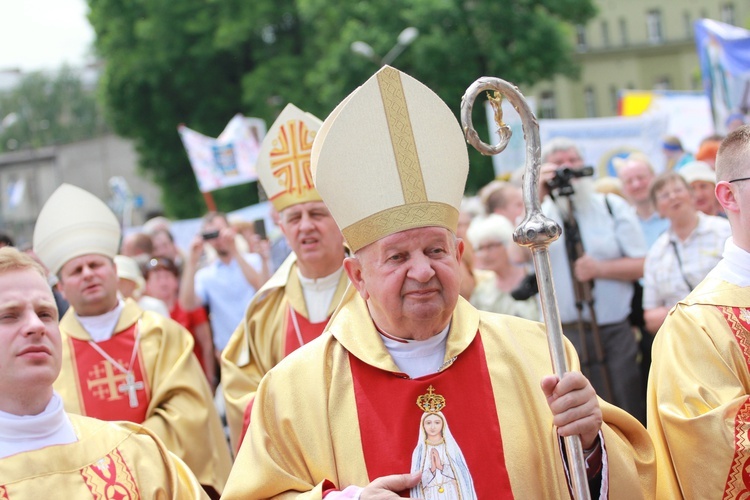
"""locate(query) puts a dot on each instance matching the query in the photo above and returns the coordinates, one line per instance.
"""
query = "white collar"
(734, 267)
(417, 358)
(30, 432)
(102, 327)
(318, 284)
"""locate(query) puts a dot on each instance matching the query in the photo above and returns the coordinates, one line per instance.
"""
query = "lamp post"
(405, 38)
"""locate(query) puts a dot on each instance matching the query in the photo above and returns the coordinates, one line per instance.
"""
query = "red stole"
(99, 384)
(307, 330)
(389, 419)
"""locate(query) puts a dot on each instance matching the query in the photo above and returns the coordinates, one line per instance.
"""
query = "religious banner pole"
(536, 232)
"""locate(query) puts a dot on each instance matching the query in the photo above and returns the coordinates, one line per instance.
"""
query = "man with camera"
(594, 264)
(226, 285)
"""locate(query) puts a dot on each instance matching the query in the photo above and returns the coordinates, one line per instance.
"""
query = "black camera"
(526, 289)
(210, 235)
(563, 176)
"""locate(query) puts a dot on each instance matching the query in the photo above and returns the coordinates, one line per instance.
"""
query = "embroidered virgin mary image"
(445, 475)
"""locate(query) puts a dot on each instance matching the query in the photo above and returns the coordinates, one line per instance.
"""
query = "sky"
(44, 34)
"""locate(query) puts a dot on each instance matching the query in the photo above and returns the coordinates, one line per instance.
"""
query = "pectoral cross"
(130, 386)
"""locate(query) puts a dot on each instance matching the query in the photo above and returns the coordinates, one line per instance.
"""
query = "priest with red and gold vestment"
(293, 307)
(699, 383)
(46, 452)
(411, 389)
(120, 362)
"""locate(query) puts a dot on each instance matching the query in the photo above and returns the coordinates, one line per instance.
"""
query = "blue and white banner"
(229, 159)
(724, 53)
(598, 139)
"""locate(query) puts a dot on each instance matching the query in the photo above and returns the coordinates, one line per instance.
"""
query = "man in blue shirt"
(227, 284)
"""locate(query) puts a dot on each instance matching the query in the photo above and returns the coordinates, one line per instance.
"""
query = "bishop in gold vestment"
(175, 402)
(338, 412)
(109, 460)
(294, 306)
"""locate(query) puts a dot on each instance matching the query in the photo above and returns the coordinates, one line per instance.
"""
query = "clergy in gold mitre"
(293, 307)
(118, 361)
(410, 389)
(44, 451)
(699, 385)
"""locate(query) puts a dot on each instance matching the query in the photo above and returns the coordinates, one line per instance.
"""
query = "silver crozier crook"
(535, 232)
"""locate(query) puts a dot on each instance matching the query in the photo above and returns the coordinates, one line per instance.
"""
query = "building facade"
(105, 166)
(636, 44)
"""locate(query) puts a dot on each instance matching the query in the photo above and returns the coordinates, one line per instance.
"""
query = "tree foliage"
(46, 109)
(199, 62)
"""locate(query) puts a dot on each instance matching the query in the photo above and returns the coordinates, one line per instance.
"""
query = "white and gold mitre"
(284, 159)
(390, 157)
(74, 222)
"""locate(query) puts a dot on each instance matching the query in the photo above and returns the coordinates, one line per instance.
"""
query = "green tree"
(46, 109)
(198, 63)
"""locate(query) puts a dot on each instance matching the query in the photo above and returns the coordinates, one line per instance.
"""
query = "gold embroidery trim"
(392, 220)
(402, 136)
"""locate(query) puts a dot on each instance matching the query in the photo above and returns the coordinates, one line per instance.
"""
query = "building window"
(623, 32)
(663, 83)
(589, 100)
(614, 99)
(547, 105)
(605, 34)
(654, 27)
(688, 20)
(581, 37)
(727, 13)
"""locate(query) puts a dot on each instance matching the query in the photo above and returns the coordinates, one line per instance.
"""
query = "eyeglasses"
(666, 194)
(740, 179)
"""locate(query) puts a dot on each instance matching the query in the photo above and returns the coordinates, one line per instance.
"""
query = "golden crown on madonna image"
(431, 402)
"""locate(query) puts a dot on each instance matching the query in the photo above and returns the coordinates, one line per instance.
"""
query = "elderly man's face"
(636, 178)
(410, 280)
(89, 283)
(30, 346)
(565, 158)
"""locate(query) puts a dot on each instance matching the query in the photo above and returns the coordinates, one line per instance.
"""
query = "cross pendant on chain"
(131, 386)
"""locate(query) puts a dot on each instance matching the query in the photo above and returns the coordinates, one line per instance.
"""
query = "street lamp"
(405, 38)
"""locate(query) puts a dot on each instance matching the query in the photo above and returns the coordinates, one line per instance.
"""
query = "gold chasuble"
(155, 381)
(108, 461)
(276, 323)
(338, 412)
(699, 394)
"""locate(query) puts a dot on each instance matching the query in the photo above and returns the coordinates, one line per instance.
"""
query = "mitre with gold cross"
(284, 159)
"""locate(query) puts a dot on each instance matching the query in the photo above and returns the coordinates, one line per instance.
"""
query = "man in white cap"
(293, 307)
(120, 362)
(702, 180)
(699, 387)
(44, 451)
(410, 387)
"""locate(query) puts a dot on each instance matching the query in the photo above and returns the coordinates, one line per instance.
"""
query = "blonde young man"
(44, 451)
(294, 306)
(403, 357)
(699, 387)
(118, 361)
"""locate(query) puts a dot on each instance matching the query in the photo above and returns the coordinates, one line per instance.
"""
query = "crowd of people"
(387, 341)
